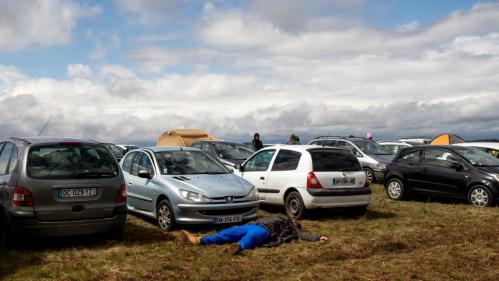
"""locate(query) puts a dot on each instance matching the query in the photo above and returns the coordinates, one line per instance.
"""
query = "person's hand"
(323, 239)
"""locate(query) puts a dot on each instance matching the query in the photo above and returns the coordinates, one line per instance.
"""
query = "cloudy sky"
(127, 70)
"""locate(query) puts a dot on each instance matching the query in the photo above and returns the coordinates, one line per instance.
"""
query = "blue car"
(183, 185)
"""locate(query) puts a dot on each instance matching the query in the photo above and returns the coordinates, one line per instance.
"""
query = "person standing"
(256, 142)
(294, 139)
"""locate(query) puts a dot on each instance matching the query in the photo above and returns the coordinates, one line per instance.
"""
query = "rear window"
(334, 160)
(70, 162)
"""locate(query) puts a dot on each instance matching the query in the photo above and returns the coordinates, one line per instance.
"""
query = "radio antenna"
(45, 126)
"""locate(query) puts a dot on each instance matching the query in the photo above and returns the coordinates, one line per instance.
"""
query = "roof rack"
(340, 137)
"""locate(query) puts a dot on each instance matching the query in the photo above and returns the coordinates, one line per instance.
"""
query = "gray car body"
(227, 192)
(51, 215)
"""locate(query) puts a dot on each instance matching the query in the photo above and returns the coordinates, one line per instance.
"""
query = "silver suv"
(58, 187)
(372, 156)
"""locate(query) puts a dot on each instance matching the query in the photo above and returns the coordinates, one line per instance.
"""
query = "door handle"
(130, 183)
(425, 170)
(262, 178)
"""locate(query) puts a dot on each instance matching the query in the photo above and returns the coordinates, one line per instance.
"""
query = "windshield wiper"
(92, 174)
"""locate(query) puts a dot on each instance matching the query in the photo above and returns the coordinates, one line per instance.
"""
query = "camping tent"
(182, 137)
(447, 139)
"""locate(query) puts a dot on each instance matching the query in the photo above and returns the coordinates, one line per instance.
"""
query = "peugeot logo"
(229, 199)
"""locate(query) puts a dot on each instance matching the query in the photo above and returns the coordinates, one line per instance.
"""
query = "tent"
(182, 137)
(447, 139)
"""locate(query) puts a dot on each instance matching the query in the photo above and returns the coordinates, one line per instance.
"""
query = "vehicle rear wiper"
(92, 174)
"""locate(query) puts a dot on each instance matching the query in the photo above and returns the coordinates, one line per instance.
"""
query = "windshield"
(188, 163)
(114, 149)
(477, 157)
(74, 161)
(372, 148)
(234, 151)
(393, 148)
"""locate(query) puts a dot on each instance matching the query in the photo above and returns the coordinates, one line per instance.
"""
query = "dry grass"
(411, 240)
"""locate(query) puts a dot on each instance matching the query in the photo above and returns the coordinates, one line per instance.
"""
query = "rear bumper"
(206, 213)
(331, 198)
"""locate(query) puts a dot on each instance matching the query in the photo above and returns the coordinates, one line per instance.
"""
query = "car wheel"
(395, 189)
(165, 216)
(480, 196)
(295, 208)
(370, 175)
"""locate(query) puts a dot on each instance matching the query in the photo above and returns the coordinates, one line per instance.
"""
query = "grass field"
(409, 240)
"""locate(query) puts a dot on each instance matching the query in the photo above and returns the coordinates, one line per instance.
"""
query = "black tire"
(480, 196)
(294, 206)
(395, 189)
(370, 175)
(165, 217)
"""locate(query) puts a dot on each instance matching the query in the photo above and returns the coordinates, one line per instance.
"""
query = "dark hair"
(255, 135)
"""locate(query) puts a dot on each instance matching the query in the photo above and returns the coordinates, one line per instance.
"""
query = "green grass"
(409, 240)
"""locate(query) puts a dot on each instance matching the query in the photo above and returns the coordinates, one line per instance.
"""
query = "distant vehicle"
(184, 185)
(445, 170)
(372, 156)
(59, 186)
(115, 150)
(127, 147)
(415, 140)
(301, 177)
(229, 153)
(394, 146)
(491, 148)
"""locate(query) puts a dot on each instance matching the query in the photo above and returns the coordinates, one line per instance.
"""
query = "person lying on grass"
(267, 232)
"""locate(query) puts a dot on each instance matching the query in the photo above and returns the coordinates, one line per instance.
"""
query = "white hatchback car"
(304, 177)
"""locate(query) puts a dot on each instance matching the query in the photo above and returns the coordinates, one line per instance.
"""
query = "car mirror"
(456, 165)
(145, 174)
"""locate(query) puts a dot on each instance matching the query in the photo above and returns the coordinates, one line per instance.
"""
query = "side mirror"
(145, 174)
(239, 167)
(456, 165)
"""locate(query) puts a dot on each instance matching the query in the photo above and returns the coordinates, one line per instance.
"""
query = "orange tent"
(182, 137)
(447, 139)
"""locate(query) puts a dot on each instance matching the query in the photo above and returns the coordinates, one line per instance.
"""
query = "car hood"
(382, 158)
(212, 186)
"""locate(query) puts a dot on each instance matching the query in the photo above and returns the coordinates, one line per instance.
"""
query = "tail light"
(22, 197)
(366, 184)
(313, 181)
(121, 197)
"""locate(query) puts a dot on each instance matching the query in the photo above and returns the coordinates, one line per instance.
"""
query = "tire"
(294, 206)
(164, 216)
(395, 189)
(370, 175)
(480, 196)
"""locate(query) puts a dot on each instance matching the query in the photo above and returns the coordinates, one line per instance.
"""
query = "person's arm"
(305, 236)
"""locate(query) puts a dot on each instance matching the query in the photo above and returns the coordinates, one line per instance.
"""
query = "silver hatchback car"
(59, 186)
(184, 185)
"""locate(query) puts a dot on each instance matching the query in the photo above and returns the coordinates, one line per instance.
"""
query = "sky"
(125, 71)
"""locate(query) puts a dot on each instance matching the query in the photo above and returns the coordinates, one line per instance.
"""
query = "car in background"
(185, 185)
(229, 153)
(415, 140)
(58, 187)
(372, 156)
(394, 146)
(491, 148)
(127, 147)
(115, 150)
(301, 177)
(445, 170)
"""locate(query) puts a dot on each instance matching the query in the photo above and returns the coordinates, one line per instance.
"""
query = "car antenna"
(45, 126)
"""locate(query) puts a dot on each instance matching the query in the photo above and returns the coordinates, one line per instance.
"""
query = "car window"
(260, 161)
(439, 157)
(189, 162)
(315, 143)
(5, 157)
(347, 145)
(490, 151)
(330, 143)
(13, 159)
(334, 160)
(413, 157)
(286, 160)
(232, 151)
(371, 147)
(127, 162)
(142, 163)
(477, 157)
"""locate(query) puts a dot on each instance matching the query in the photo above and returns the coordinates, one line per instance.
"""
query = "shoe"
(233, 249)
(187, 237)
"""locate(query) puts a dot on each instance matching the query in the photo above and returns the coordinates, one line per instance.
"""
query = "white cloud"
(408, 27)
(79, 71)
(112, 41)
(46, 23)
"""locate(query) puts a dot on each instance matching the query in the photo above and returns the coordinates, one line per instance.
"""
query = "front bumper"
(206, 213)
(341, 197)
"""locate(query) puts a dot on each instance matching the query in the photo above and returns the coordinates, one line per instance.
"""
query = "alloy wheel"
(164, 217)
(479, 197)
(394, 190)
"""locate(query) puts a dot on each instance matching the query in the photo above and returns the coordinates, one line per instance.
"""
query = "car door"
(281, 175)
(437, 175)
(5, 151)
(143, 191)
(256, 170)
(126, 167)
(409, 167)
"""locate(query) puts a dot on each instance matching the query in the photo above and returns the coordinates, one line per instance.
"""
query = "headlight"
(253, 194)
(193, 196)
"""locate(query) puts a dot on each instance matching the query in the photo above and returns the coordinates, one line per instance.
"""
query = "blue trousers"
(248, 236)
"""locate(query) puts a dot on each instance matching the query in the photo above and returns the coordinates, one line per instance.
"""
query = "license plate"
(344, 181)
(77, 192)
(228, 219)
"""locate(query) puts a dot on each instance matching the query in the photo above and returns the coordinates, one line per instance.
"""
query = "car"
(115, 150)
(229, 153)
(394, 146)
(445, 170)
(127, 147)
(185, 185)
(491, 148)
(58, 187)
(415, 140)
(302, 177)
(372, 156)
